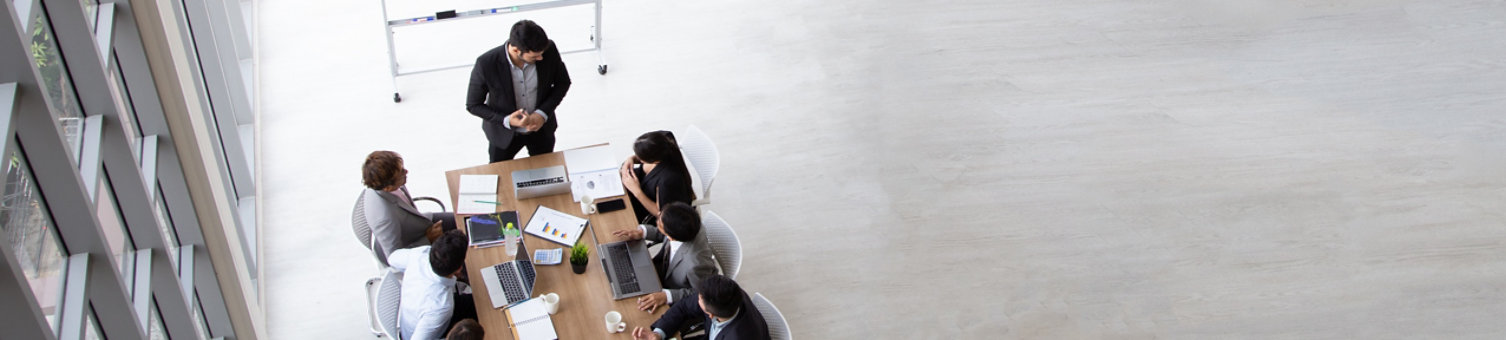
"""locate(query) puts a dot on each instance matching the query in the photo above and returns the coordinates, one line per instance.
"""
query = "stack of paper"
(477, 192)
(530, 321)
(593, 172)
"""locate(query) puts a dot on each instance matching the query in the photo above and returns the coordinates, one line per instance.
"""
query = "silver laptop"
(540, 182)
(510, 282)
(630, 270)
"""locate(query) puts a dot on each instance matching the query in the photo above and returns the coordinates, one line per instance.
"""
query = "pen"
(496, 203)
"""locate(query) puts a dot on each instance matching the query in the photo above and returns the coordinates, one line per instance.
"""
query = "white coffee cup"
(551, 302)
(586, 206)
(614, 322)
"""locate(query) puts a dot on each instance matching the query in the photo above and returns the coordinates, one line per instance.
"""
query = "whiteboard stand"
(601, 67)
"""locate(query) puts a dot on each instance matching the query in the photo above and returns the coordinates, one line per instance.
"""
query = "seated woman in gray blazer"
(683, 261)
(395, 222)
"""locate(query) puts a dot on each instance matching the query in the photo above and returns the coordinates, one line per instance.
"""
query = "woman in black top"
(656, 174)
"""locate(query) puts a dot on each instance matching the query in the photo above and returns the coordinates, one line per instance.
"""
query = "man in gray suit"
(395, 222)
(683, 261)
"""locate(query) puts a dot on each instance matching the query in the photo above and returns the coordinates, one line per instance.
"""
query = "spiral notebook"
(530, 321)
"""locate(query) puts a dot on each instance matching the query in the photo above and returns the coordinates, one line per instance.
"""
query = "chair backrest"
(389, 298)
(725, 245)
(702, 156)
(363, 231)
(779, 329)
(358, 221)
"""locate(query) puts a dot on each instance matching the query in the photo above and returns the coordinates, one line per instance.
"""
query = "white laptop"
(510, 282)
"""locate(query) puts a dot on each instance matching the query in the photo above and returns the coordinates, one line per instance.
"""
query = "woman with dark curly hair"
(395, 222)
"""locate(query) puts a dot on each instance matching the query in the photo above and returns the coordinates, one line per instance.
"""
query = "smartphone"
(609, 206)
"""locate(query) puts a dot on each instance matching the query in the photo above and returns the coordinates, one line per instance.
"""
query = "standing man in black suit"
(515, 89)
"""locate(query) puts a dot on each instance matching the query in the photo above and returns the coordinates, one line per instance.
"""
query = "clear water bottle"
(510, 237)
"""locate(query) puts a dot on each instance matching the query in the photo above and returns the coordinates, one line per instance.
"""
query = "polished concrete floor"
(980, 169)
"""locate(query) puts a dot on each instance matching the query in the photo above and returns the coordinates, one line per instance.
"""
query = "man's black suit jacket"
(490, 94)
(749, 324)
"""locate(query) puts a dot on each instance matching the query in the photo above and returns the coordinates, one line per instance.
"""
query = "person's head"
(679, 221)
(384, 171)
(527, 42)
(447, 254)
(720, 297)
(656, 146)
(660, 147)
(467, 329)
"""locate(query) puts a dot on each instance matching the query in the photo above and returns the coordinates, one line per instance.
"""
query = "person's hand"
(629, 234)
(516, 119)
(648, 302)
(629, 178)
(434, 231)
(640, 333)
(533, 122)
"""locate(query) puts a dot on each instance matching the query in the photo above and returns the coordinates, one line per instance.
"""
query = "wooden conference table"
(584, 298)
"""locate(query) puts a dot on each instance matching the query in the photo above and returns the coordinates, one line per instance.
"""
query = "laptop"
(510, 282)
(540, 182)
(630, 270)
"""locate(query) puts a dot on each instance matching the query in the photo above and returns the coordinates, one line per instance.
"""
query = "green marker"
(490, 202)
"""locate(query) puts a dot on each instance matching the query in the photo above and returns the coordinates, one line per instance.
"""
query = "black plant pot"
(579, 268)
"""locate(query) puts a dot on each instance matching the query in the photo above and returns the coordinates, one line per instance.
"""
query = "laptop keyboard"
(526, 268)
(543, 181)
(627, 281)
(511, 285)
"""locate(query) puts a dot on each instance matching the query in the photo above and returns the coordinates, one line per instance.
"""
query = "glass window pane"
(155, 330)
(197, 314)
(45, 54)
(123, 105)
(117, 238)
(91, 13)
(165, 226)
(30, 231)
(91, 327)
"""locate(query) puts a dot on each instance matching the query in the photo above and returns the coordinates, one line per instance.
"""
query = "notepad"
(530, 321)
(474, 188)
(555, 226)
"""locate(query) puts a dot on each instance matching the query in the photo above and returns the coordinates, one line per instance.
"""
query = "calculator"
(548, 256)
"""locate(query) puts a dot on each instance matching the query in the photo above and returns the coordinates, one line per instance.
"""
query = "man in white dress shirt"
(430, 304)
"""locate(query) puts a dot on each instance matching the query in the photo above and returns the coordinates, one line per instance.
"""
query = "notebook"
(486, 230)
(474, 188)
(530, 321)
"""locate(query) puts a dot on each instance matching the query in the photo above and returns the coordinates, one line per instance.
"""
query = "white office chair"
(725, 245)
(362, 230)
(389, 297)
(702, 157)
(779, 329)
(372, 285)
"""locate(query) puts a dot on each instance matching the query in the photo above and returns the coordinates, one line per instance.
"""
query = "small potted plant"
(578, 258)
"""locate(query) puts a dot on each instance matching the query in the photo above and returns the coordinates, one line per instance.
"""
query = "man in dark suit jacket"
(683, 261)
(723, 307)
(515, 88)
